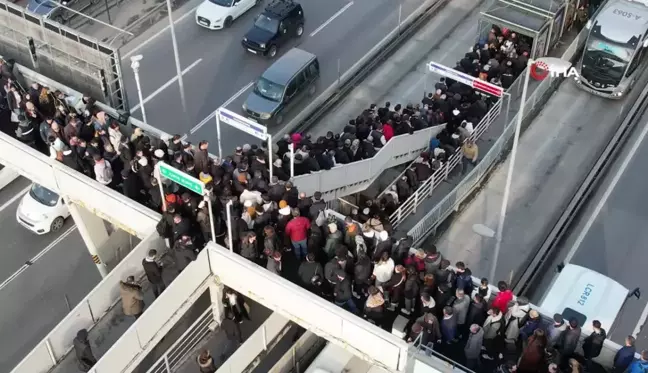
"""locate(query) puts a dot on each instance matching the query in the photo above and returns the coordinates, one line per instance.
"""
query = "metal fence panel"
(63, 54)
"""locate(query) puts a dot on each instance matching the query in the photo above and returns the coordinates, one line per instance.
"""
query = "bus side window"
(635, 62)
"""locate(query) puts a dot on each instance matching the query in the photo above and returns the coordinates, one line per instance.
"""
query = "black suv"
(280, 21)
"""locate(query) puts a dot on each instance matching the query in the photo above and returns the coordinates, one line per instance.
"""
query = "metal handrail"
(175, 355)
(448, 204)
(427, 187)
(418, 347)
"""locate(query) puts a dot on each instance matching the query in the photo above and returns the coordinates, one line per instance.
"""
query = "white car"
(218, 14)
(42, 210)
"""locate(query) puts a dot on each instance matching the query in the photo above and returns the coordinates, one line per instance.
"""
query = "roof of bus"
(587, 292)
(620, 20)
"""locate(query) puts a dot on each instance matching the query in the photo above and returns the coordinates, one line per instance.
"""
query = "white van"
(42, 210)
(584, 294)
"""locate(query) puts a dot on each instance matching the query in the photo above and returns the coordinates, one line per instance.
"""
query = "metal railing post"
(433, 180)
(166, 363)
(447, 167)
(265, 338)
(415, 202)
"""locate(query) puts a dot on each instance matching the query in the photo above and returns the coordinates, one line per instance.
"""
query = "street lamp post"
(176, 55)
(135, 65)
(509, 175)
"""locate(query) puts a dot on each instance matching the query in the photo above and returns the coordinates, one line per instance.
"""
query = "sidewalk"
(555, 154)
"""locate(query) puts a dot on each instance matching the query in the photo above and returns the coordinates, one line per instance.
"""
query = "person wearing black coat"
(83, 351)
(311, 274)
(343, 296)
(131, 186)
(362, 274)
(412, 290)
(593, 344)
(153, 270)
(477, 313)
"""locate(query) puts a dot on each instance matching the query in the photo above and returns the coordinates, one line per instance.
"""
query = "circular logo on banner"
(539, 70)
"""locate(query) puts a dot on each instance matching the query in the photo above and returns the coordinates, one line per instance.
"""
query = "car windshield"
(607, 60)
(269, 90)
(267, 23)
(225, 3)
(43, 195)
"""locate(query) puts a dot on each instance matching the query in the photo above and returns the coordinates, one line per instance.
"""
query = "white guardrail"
(58, 343)
(425, 189)
(289, 301)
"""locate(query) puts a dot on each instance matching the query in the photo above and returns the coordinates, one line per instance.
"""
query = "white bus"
(584, 294)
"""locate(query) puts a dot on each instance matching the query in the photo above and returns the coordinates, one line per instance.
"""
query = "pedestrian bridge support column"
(216, 291)
(93, 231)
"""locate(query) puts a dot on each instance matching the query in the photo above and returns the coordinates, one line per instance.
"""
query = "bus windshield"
(605, 62)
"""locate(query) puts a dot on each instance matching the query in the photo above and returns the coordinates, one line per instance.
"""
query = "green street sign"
(181, 178)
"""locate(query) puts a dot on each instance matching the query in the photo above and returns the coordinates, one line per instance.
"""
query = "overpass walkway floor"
(114, 324)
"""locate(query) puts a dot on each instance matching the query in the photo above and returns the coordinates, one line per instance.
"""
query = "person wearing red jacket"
(388, 130)
(503, 297)
(297, 230)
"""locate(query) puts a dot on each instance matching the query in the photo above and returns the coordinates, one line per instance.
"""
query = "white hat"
(383, 235)
(332, 227)
(143, 161)
(159, 153)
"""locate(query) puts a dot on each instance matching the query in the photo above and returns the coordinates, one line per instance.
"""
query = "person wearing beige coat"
(132, 297)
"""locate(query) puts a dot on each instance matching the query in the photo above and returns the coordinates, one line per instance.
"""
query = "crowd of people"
(358, 263)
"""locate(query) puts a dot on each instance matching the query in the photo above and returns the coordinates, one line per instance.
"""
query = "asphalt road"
(611, 237)
(224, 67)
(33, 302)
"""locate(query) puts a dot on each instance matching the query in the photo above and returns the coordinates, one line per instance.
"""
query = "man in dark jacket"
(311, 274)
(131, 186)
(83, 351)
(342, 292)
(625, 355)
(593, 344)
(568, 341)
(153, 271)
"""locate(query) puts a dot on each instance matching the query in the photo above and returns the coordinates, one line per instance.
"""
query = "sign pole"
(211, 216)
(218, 134)
(292, 161)
(159, 180)
(270, 166)
(158, 176)
(228, 207)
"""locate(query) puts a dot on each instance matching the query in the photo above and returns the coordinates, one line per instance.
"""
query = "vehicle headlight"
(262, 45)
(244, 106)
(265, 116)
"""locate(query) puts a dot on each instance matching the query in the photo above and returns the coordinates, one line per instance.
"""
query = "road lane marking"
(333, 17)
(145, 42)
(15, 198)
(608, 192)
(38, 256)
(229, 101)
(164, 86)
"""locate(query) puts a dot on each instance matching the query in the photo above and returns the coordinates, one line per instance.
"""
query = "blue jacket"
(638, 366)
(434, 143)
(449, 328)
(624, 357)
